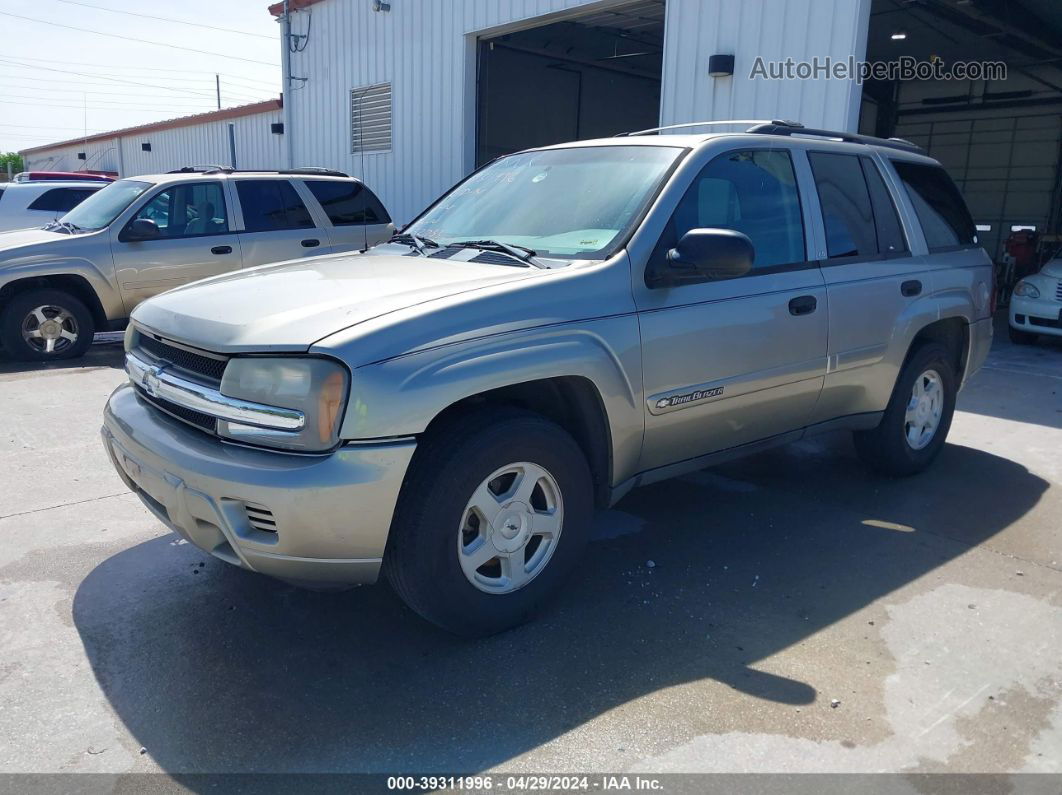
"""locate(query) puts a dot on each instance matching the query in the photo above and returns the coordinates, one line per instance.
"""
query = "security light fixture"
(82, 156)
(898, 36)
(721, 65)
(145, 147)
(379, 6)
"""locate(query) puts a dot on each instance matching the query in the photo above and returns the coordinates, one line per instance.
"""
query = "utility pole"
(286, 92)
(217, 84)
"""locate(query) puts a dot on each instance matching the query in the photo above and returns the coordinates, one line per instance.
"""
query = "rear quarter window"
(60, 199)
(939, 206)
(348, 203)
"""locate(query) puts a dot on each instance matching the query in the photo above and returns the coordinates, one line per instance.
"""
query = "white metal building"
(166, 145)
(411, 95)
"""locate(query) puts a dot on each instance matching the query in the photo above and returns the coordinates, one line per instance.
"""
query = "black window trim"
(934, 249)
(230, 231)
(832, 262)
(766, 270)
(64, 189)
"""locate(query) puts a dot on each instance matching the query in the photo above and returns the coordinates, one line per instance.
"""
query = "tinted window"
(845, 200)
(188, 210)
(60, 199)
(348, 203)
(271, 204)
(940, 209)
(890, 233)
(753, 192)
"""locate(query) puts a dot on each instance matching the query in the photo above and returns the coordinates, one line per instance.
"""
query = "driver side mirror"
(704, 255)
(140, 229)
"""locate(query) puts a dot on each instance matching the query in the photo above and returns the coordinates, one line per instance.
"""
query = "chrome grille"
(197, 418)
(182, 358)
(260, 518)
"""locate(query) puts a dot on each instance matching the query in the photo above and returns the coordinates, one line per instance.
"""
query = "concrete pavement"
(798, 614)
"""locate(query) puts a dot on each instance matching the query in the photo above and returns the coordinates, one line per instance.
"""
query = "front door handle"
(803, 305)
(221, 250)
(911, 287)
(311, 243)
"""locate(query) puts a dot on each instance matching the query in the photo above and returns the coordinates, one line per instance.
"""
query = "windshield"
(566, 203)
(103, 206)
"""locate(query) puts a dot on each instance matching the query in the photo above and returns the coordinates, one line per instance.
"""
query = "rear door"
(276, 223)
(726, 363)
(196, 240)
(872, 278)
(358, 219)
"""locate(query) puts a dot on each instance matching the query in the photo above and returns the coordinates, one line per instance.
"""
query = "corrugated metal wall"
(425, 49)
(256, 147)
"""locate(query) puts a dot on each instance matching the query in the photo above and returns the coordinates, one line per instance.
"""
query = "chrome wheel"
(924, 409)
(49, 329)
(510, 528)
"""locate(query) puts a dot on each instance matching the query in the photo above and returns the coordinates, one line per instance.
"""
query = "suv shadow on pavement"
(217, 670)
(106, 351)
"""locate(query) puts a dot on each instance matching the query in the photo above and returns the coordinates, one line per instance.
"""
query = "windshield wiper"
(68, 227)
(522, 253)
(415, 242)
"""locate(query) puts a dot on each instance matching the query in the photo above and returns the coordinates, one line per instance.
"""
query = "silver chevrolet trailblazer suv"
(565, 324)
(86, 271)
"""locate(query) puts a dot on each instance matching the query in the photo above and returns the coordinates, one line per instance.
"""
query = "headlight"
(316, 387)
(129, 341)
(1024, 289)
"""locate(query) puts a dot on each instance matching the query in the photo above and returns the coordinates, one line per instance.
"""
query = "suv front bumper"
(319, 521)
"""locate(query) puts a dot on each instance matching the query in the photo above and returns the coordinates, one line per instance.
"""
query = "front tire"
(46, 325)
(493, 515)
(917, 419)
(1019, 337)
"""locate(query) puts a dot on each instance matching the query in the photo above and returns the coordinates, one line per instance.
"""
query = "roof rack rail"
(210, 169)
(702, 124)
(791, 128)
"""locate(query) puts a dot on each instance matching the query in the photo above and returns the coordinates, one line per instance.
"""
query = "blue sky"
(55, 81)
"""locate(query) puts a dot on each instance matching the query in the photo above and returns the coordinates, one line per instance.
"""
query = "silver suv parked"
(567, 323)
(138, 237)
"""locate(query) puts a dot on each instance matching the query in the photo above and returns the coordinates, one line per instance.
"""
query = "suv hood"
(16, 242)
(288, 306)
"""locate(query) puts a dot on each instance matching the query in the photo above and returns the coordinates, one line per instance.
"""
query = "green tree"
(14, 158)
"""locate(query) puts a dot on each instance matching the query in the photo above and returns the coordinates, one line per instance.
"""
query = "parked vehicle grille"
(184, 359)
(260, 518)
(197, 418)
(1045, 322)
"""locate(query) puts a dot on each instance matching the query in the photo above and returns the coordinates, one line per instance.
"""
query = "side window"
(938, 204)
(348, 203)
(270, 205)
(846, 210)
(886, 219)
(188, 210)
(60, 199)
(751, 191)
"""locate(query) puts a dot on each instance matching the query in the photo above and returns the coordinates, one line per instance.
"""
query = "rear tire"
(916, 421)
(475, 575)
(1019, 337)
(46, 325)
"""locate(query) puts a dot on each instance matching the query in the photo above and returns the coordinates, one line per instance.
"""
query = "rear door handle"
(221, 250)
(912, 287)
(803, 305)
(311, 242)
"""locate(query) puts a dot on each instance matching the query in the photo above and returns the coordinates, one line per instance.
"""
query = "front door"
(277, 225)
(726, 363)
(195, 241)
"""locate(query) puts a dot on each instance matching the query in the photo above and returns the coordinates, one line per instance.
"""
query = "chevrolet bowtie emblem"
(151, 380)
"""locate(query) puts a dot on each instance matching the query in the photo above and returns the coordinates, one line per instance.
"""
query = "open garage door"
(587, 76)
(1001, 139)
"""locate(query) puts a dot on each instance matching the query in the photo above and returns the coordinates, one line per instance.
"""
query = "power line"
(138, 68)
(168, 19)
(45, 127)
(112, 79)
(99, 106)
(133, 38)
(91, 93)
(238, 90)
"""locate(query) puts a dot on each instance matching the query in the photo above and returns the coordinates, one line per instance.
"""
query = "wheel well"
(572, 402)
(950, 332)
(75, 285)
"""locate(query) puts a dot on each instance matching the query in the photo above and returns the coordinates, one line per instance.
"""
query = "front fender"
(402, 395)
(41, 266)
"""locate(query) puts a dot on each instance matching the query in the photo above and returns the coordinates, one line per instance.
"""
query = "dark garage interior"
(999, 139)
(587, 76)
